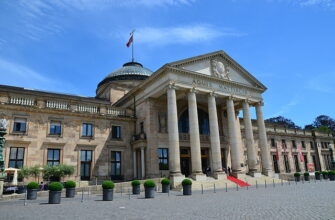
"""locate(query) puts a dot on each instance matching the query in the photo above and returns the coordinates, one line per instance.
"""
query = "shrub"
(149, 183)
(186, 182)
(32, 185)
(135, 183)
(55, 186)
(108, 184)
(165, 181)
(70, 184)
(306, 174)
(34, 171)
(324, 172)
(297, 174)
(331, 172)
(57, 172)
(317, 173)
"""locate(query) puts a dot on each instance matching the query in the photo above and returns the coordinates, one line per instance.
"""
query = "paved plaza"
(294, 201)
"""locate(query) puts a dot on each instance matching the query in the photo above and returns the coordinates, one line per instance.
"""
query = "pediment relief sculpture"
(220, 69)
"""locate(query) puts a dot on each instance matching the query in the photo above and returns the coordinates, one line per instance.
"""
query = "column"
(194, 136)
(233, 138)
(249, 139)
(142, 163)
(173, 135)
(214, 137)
(135, 164)
(263, 142)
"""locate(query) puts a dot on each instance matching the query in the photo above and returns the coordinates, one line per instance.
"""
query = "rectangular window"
(296, 161)
(116, 165)
(273, 144)
(303, 144)
(312, 145)
(16, 157)
(87, 130)
(163, 158)
(85, 164)
(116, 132)
(287, 165)
(294, 144)
(55, 128)
(20, 125)
(283, 142)
(53, 157)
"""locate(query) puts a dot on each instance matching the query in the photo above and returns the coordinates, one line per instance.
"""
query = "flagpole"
(132, 48)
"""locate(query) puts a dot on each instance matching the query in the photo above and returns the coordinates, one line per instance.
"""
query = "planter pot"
(70, 192)
(306, 178)
(325, 176)
(21, 189)
(317, 176)
(165, 188)
(54, 197)
(136, 190)
(297, 178)
(149, 192)
(32, 194)
(187, 190)
(107, 194)
(332, 177)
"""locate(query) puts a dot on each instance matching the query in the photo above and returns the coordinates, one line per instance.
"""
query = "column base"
(269, 173)
(176, 179)
(199, 176)
(219, 175)
(255, 174)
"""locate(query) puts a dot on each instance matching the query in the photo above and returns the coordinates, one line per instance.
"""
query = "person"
(229, 171)
(208, 170)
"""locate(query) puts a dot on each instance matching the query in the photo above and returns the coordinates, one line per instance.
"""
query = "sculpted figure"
(220, 70)
(3, 124)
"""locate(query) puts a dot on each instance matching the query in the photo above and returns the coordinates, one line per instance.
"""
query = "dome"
(129, 71)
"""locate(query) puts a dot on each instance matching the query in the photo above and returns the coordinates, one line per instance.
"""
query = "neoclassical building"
(181, 120)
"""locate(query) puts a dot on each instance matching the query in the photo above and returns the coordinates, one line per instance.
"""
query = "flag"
(302, 159)
(277, 153)
(130, 41)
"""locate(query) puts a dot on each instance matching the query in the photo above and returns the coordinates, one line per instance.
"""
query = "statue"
(220, 70)
(3, 124)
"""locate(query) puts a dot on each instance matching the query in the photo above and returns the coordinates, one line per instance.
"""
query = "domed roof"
(129, 71)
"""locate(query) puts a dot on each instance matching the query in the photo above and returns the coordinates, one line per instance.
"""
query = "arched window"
(183, 123)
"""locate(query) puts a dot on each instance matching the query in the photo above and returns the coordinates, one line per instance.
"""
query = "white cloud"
(326, 3)
(181, 34)
(287, 107)
(19, 75)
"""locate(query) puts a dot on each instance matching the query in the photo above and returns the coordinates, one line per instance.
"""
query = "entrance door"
(296, 161)
(205, 162)
(185, 157)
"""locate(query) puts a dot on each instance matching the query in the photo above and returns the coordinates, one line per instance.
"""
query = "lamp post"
(3, 125)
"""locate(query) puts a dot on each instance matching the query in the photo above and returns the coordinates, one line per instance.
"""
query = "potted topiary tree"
(149, 188)
(306, 176)
(187, 187)
(21, 174)
(70, 187)
(324, 174)
(165, 185)
(32, 189)
(297, 177)
(107, 190)
(331, 175)
(55, 192)
(136, 185)
(317, 175)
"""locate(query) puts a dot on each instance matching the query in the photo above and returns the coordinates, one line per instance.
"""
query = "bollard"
(289, 182)
(314, 180)
(202, 189)
(265, 183)
(282, 182)
(89, 191)
(169, 193)
(256, 185)
(121, 189)
(303, 181)
(82, 195)
(273, 183)
(247, 186)
(296, 182)
(226, 188)
(214, 188)
(25, 199)
(96, 181)
(236, 187)
(128, 193)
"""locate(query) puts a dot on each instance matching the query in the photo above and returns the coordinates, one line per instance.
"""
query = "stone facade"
(180, 121)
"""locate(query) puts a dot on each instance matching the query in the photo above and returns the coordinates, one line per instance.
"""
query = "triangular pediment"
(219, 64)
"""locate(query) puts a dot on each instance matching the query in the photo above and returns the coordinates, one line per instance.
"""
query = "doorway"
(275, 164)
(185, 161)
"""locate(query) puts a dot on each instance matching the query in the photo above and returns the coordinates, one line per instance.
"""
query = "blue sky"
(69, 46)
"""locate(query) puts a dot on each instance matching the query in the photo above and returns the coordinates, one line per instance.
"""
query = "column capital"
(193, 90)
(172, 85)
(213, 94)
(260, 103)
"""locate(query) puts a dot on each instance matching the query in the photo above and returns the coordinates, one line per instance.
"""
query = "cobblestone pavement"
(294, 201)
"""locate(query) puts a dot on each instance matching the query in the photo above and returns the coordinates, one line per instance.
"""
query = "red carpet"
(238, 181)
